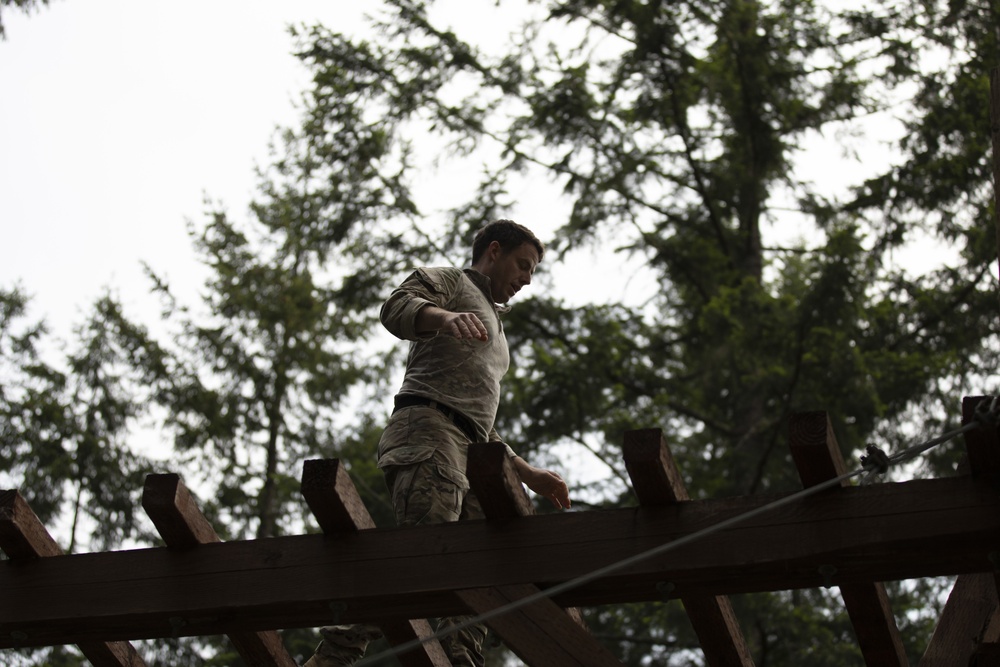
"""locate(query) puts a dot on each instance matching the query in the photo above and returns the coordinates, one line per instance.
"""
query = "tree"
(673, 129)
(64, 431)
(26, 6)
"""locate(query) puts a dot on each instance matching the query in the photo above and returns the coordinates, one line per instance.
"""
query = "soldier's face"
(510, 271)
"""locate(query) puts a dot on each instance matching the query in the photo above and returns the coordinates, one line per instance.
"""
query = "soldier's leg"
(343, 645)
(423, 495)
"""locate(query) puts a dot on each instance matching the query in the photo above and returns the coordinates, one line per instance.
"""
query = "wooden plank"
(995, 134)
(540, 632)
(987, 655)
(973, 603)
(495, 482)
(338, 508)
(430, 653)
(181, 524)
(983, 448)
(502, 496)
(655, 478)
(24, 538)
(818, 459)
(982, 444)
(971, 606)
(944, 526)
(657, 483)
(333, 498)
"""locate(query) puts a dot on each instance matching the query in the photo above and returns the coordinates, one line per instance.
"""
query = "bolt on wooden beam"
(23, 537)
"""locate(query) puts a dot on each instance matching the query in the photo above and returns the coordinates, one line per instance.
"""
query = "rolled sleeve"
(422, 288)
(399, 314)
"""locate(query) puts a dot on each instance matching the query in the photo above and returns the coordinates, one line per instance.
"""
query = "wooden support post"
(968, 618)
(540, 633)
(995, 133)
(982, 444)
(818, 459)
(182, 525)
(971, 615)
(983, 447)
(23, 538)
(338, 508)
(657, 483)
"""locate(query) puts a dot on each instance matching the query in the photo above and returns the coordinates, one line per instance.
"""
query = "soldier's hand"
(464, 326)
(546, 483)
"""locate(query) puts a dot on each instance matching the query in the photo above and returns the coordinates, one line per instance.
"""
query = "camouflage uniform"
(423, 452)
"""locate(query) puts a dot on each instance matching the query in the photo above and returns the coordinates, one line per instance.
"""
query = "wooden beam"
(24, 538)
(496, 484)
(995, 134)
(338, 508)
(983, 448)
(333, 498)
(982, 444)
(971, 607)
(525, 631)
(944, 526)
(971, 614)
(658, 483)
(818, 459)
(181, 524)
(541, 633)
(987, 655)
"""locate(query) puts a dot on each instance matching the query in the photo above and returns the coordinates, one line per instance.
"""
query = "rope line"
(876, 463)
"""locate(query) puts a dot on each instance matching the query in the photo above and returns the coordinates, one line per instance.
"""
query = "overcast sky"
(118, 117)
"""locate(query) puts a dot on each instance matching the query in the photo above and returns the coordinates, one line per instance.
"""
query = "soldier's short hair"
(509, 234)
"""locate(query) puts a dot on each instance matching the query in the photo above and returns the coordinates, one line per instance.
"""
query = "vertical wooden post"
(995, 133)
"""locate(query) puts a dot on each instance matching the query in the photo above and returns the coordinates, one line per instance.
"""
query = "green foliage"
(26, 6)
(62, 442)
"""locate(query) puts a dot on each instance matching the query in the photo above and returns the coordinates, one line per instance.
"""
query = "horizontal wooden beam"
(24, 538)
(943, 526)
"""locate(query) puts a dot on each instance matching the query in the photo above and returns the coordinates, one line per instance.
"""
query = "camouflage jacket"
(462, 374)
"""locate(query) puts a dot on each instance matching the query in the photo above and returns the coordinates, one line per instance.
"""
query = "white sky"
(116, 120)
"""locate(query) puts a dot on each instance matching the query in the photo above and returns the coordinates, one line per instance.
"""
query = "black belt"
(457, 418)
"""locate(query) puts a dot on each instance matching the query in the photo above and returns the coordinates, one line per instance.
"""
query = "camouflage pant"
(423, 457)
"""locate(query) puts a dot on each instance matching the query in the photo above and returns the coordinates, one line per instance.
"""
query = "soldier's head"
(507, 253)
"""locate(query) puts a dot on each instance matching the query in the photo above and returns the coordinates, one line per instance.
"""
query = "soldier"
(448, 399)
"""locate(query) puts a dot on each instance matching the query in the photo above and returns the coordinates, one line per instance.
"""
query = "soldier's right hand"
(464, 326)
